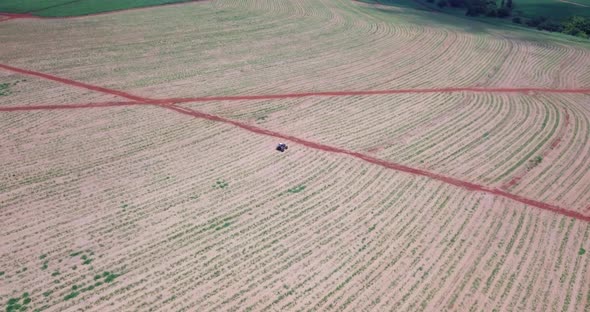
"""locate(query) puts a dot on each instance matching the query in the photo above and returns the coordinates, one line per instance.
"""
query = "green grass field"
(554, 9)
(454, 17)
(75, 7)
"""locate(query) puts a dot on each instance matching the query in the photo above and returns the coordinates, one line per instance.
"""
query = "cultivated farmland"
(434, 164)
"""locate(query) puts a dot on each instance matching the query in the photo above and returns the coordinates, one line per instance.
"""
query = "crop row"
(19, 90)
(186, 213)
(527, 144)
(259, 47)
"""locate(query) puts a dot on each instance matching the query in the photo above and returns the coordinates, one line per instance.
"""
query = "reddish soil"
(4, 17)
(554, 144)
(16, 15)
(73, 83)
(371, 92)
(390, 165)
(169, 103)
(288, 95)
(191, 208)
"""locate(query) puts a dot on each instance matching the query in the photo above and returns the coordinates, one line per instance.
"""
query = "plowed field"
(434, 163)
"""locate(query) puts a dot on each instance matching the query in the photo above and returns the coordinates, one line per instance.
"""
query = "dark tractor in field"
(282, 147)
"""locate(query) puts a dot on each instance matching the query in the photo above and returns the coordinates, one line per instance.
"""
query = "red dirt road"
(285, 96)
(170, 104)
(74, 83)
(4, 17)
(370, 92)
(390, 165)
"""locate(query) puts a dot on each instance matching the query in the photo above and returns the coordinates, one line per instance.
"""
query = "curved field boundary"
(4, 17)
(31, 15)
(17, 15)
(170, 104)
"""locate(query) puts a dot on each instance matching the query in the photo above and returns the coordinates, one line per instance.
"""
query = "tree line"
(575, 25)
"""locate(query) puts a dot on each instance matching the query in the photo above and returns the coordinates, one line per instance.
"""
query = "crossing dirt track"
(434, 163)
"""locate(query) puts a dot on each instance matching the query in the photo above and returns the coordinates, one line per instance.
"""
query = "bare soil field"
(434, 164)
(17, 92)
(527, 144)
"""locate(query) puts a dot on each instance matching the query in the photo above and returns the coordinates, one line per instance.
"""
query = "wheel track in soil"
(171, 104)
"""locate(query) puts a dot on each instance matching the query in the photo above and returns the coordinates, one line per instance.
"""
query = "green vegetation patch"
(296, 189)
(226, 224)
(220, 224)
(57, 8)
(571, 17)
(110, 277)
(5, 87)
(24, 6)
(582, 251)
(71, 295)
(98, 280)
(18, 304)
(559, 10)
(106, 277)
(84, 256)
(169, 300)
(536, 161)
(553, 9)
(220, 184)
(74, 254)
